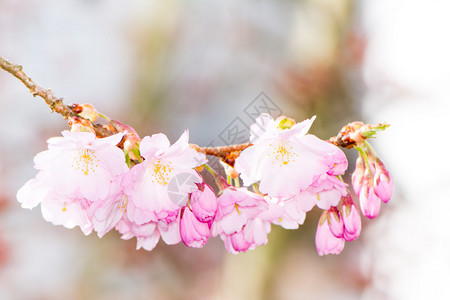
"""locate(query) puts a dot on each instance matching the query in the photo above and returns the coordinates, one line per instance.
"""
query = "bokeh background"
(164, 66)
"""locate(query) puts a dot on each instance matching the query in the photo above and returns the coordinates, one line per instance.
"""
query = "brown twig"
(227, 154)
(56, 104)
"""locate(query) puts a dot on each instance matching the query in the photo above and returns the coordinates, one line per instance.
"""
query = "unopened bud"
(352, 219)
(85, 110)
(326, 242)
(350, 127)
(193, 232)
(204, 203)
(383, 182)
(355, 133)
(358, 175)
(335, 222)
(283, 122)
(80, 125)
(369, 201)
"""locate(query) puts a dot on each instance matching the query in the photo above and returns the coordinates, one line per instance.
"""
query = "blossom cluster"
(149, 189)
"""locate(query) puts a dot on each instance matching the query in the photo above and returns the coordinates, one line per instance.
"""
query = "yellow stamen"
(161, 172)
(282, 155)
(85, 161)
(237, 208)
(123, 205)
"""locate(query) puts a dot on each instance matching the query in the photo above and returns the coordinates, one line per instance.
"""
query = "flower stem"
(364, 155)
(105, 117)
(210, 170)
(366, 143)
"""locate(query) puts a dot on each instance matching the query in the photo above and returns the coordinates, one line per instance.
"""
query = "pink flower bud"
(358, 175)
(383, 181)
(326, 242)
(335, 222)
(193, 232)
(369, 201)
(352, 219)
(204, 203)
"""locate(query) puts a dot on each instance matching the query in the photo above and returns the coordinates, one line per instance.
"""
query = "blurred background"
(164, 66)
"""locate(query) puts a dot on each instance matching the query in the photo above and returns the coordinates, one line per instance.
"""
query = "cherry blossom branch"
(190, 210)
(351, 135)
(56, 104)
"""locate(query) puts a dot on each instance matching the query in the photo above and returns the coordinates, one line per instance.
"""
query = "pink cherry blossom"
(78, 175)
(104, 215)
(326, 242)
(68, 214)
(236, 206)
(151, 212)
(283, 160)
(332, 155)
(81, 165)
(100, 216)
(243, 219)
(325, 192)
(287, 213)
(148, 234)
(33, 192)
(252, 235)
(146, 184)
(55, 208)
(193, 232)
